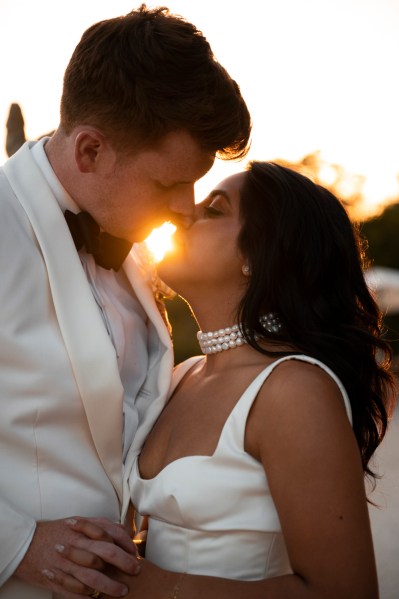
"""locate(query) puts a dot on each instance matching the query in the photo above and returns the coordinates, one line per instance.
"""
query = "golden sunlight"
(159, 240)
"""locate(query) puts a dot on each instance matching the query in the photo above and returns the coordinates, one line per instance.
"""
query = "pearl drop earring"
(271, 322)
(246, 271)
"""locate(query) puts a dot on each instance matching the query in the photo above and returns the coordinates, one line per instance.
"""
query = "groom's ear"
(93, 153)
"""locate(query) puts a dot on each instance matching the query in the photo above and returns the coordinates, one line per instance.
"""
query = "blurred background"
(319, 77)
(320, 80)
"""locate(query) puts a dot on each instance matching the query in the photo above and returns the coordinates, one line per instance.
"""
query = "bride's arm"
(298, 429)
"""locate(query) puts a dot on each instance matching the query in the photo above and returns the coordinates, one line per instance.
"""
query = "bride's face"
(206, 255)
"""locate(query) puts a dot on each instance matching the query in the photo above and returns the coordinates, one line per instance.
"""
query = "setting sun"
(160, 240)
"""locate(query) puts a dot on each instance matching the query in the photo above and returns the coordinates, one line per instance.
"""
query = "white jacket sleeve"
(16, 532)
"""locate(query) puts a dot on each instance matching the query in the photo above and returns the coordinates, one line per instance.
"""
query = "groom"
(85, 357)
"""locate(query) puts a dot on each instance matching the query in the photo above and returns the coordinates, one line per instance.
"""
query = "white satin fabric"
(61, 392)
(215, 515)
(123, 316)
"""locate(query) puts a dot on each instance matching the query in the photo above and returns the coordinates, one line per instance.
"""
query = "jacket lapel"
(91, 352)
(155, 392)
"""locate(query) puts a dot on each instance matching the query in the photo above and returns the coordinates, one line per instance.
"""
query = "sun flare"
(159, 240)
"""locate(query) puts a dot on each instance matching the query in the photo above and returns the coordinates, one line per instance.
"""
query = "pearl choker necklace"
(216, 341)
(231, 337)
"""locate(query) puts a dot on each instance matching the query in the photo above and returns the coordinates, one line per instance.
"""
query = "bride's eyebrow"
(218, 192)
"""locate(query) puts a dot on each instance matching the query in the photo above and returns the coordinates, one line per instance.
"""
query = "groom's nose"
(182, 206)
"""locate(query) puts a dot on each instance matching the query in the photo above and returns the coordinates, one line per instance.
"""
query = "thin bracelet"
(176, 588)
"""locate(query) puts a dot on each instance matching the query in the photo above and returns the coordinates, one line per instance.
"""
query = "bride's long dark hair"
(307, 261)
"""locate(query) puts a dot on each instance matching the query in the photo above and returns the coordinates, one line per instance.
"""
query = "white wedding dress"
(214, 515)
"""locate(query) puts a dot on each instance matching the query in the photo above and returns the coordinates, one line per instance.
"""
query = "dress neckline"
(263, 373)
(230, 416)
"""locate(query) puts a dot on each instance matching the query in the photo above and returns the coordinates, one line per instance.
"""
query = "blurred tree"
(184, 329)
(347, 186)
(15, 130)
(382, 235)
(15, 125)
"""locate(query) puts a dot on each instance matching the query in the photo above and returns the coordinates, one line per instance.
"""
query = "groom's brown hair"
(140, 76)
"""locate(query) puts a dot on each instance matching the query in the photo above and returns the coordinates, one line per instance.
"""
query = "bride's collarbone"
(205, 402)
(231, 382)
(195, 416)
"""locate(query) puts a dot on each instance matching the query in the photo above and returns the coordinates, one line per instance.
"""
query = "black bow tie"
(108, 251)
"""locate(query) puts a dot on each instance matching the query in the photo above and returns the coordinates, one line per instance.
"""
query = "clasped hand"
(72, 557)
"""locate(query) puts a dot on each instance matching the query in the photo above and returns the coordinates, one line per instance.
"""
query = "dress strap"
(327, 370)
(234, 428)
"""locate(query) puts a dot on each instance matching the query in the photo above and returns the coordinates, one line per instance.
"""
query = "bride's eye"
(211, 212)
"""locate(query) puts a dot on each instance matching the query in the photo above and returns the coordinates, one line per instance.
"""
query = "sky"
(317, 75)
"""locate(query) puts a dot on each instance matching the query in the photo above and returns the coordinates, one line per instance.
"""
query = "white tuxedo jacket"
(60, 391)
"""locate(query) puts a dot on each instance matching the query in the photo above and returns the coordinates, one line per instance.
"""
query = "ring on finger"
(95, 594)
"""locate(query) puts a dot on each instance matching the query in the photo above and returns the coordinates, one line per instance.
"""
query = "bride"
(252, 479)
